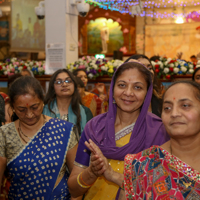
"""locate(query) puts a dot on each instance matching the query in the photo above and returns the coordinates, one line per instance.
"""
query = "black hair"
(155, 58)
(195, 71)
(133, 65)
(2, 110)
(75, 102)
(190, 83)
(193, 56)
(25, 85)
(137, 56)
(75, 72)
(12, 78)
(80, 82)
(157, 86)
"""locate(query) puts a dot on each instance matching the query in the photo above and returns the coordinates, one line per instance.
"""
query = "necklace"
(21, 132)
(65, 117)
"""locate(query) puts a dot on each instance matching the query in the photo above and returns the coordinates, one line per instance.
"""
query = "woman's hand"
(100, 87)
(100, 166)
(98, 163)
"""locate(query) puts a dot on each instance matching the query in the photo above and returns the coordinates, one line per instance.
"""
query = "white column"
(62, 28)
(71, 33)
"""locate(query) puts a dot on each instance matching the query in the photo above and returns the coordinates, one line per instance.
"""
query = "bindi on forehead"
(174, 98)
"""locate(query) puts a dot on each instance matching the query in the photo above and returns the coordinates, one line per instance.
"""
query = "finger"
(90, 147)
(95, 157)
(97, 162)
(95, 147)
(97, 167)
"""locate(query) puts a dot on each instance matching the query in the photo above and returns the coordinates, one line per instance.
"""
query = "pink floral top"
(156, 174)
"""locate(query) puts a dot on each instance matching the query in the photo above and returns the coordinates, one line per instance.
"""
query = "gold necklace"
(21, 132)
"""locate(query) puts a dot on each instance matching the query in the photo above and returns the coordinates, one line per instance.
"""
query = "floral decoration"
(95, 67)
(14, 65)
(167, 67)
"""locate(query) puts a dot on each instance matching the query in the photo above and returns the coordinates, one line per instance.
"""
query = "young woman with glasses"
(63, 100)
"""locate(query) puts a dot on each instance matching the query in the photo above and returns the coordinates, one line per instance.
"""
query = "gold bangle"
(83, 186)
(84, 182)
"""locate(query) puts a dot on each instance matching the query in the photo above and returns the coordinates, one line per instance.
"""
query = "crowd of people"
(66, 144)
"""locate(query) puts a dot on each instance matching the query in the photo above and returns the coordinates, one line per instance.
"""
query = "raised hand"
(100, 87)
(98, 163)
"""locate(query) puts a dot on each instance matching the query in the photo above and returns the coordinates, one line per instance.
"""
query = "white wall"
(62, 28)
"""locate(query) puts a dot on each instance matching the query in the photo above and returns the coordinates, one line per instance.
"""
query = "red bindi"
(174, 98)
(26, 104)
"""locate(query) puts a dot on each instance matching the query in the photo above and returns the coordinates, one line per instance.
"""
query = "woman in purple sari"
(127, 127)
(36, 151)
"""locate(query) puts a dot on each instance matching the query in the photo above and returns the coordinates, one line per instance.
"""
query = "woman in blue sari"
(36, 151)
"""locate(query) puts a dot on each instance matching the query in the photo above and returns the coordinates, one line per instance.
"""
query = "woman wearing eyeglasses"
(63, 100)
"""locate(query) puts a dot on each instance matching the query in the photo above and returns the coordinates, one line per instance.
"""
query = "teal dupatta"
(72, 116)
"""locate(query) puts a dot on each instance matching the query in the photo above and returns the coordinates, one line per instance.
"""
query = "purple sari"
(148, 130)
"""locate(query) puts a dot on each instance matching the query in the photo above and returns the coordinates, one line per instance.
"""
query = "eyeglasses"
(61, 82)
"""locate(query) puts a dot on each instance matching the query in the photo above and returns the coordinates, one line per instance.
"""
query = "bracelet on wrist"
(85, 184)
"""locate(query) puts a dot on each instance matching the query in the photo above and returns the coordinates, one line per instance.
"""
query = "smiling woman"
(25, 142)
(126, 127)
(156, 100)
(169, 171)
(63, 100)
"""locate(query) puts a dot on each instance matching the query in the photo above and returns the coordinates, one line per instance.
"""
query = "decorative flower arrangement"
(167, 67)
(95, 67)
(14, 65)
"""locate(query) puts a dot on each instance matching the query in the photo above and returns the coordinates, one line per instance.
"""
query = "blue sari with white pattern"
(35, 170)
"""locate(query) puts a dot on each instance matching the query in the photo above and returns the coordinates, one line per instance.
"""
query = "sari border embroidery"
(128, 186)
(79, 165)
(64, 158)
(27, 144)
(125, 131)
(181, 166)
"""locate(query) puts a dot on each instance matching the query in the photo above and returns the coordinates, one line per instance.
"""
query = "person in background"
(90, 100)
(36, 151)
(26, 72)
(196, 75)
(63, 100)
(8, 113)
(81, 89)
(2, 111)
(156, 101)
(169, 171)
(193, 59)
(100, 91)
(127, 127)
